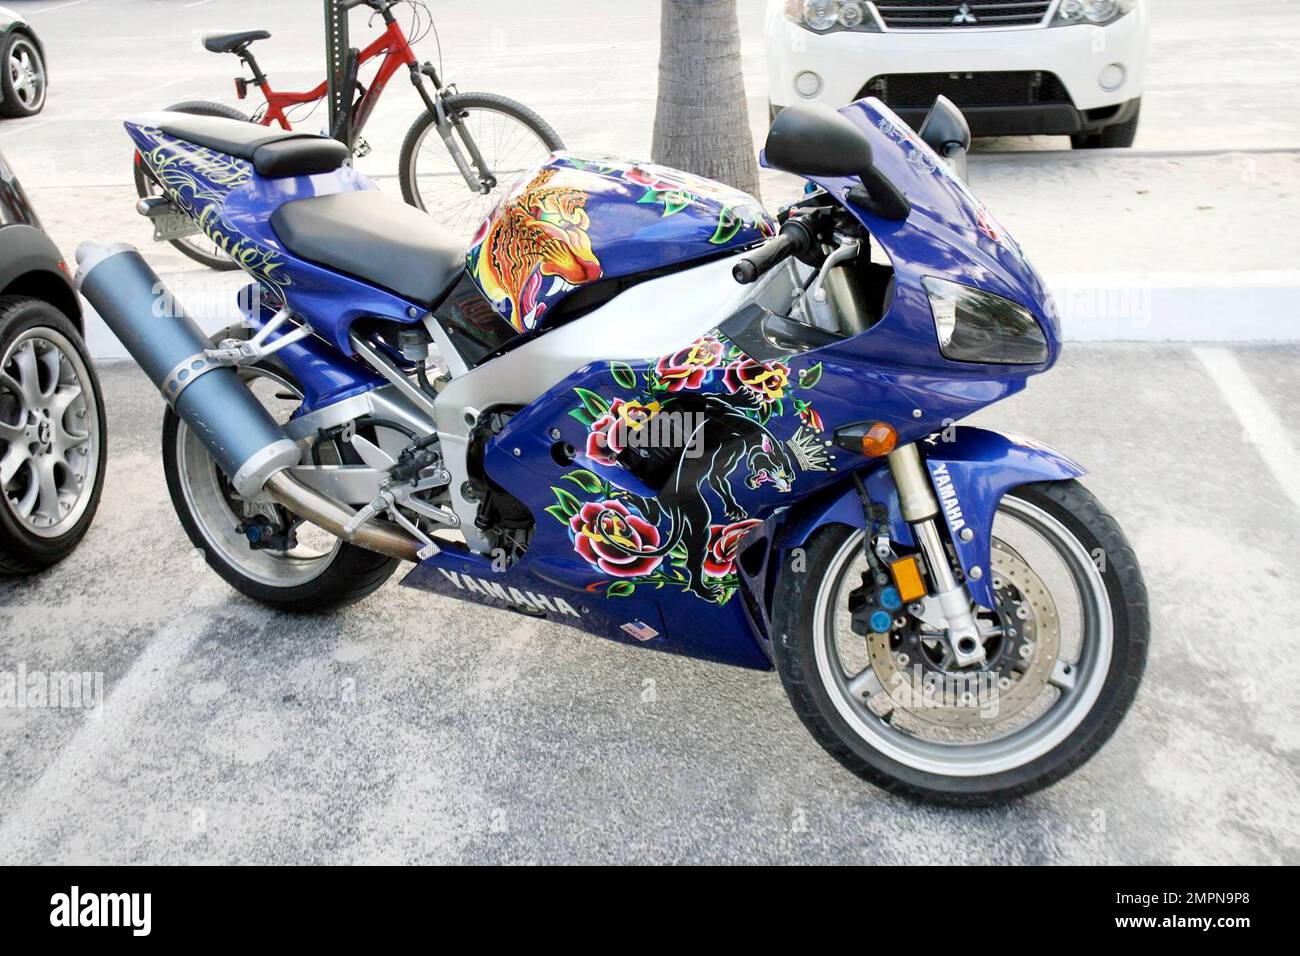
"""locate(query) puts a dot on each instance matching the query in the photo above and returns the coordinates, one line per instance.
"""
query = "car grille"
(918, 90)
(927, 15)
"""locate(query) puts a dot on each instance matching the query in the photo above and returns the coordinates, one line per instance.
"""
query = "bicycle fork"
(477, 176)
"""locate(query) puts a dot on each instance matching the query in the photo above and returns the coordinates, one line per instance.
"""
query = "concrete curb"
(1175, 306)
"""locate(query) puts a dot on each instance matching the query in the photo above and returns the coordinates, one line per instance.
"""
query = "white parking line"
(63, 6)
(1263, 429)
(84, 755)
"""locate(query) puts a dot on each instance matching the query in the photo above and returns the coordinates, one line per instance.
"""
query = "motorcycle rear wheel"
(320, 573)
(894, 741)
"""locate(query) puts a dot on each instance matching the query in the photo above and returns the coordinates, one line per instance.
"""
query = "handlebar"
(794, 238)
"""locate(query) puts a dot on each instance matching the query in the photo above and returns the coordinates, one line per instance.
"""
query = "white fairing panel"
(650, 319)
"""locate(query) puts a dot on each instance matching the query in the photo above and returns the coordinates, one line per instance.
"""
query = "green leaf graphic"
(557, 512)
(581, 415)
(595, 405)
(570, 504)
(728, 225)
(620, 589)
(810, 376)
(623, 374)
(588, 481)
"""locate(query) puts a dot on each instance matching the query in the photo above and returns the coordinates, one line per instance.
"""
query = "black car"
(52, 428)
(23, 77)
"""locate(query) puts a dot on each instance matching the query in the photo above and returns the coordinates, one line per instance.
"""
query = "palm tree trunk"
(702, 121)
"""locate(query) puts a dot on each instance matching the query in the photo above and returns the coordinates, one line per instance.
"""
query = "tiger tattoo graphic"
(540, 233)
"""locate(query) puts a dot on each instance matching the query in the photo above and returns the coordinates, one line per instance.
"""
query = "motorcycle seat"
(375, 238)
(273, 152)
(232, 42)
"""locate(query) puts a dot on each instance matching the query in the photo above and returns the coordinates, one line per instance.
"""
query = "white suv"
(1024, 67)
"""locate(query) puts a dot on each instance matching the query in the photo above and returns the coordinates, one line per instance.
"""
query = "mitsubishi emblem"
(964, 15)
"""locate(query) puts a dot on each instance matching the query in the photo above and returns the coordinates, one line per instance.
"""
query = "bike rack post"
(336, 63)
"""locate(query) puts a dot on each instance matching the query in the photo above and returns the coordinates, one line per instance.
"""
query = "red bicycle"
(483, 142)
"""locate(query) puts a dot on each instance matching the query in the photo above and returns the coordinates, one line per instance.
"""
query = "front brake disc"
(919, 679)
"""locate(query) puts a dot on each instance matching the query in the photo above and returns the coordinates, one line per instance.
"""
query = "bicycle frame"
(397, 53)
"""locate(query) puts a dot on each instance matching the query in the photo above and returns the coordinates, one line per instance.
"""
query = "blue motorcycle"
(640, 406)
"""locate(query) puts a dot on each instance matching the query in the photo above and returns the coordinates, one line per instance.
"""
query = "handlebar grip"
(749, 268)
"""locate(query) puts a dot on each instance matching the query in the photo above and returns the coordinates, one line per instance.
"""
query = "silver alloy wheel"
(49, 431)
(27, 74)
(509, 148)
(218, 511)
(1077, 683)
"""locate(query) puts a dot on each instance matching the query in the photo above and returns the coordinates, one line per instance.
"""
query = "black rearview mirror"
(811, 139)
(946, 131)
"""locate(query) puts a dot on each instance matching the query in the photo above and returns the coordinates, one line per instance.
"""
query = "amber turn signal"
(869, 438)
(878, 440)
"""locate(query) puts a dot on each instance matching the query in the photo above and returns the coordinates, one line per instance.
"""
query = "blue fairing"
(949, 234)
(980, 465)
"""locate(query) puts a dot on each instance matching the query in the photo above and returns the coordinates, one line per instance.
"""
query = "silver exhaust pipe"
(331, 516)
(247, 444)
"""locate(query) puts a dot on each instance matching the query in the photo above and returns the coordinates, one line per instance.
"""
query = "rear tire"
(454, 205)
(34, 533)
(338, 577)
(1070, 506)
(198, 248)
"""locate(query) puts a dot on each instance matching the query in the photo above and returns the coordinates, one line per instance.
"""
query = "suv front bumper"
(1076, 56)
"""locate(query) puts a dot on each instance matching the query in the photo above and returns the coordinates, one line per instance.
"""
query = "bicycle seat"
(232, 42)
(272, 152)
(375, 238)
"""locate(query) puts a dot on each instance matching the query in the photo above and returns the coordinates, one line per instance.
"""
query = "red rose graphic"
(808, 415)
(765, 380)
(608, 436)
(615, 539)
(724, 543)
(687, 368)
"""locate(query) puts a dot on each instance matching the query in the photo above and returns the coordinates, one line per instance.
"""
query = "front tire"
(319, 573)
(199, 248)
(886, 746)
(53, 436)
(510, 137)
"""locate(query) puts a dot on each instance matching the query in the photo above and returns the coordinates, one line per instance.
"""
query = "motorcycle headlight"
(975, 326)
(1096, 12)
(827, 16)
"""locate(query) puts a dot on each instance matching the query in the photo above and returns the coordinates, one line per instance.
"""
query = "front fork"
(474, 170)
(920, 510)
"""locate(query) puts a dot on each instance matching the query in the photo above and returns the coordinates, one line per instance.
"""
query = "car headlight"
(1096, 12)
(827, 16)
(975, 326)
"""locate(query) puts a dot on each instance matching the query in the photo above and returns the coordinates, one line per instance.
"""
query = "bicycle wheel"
(510, 137)
(199, 247)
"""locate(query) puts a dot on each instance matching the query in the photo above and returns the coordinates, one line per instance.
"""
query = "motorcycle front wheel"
(1065, 650)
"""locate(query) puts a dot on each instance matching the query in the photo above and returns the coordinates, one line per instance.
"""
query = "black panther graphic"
(725, 436)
